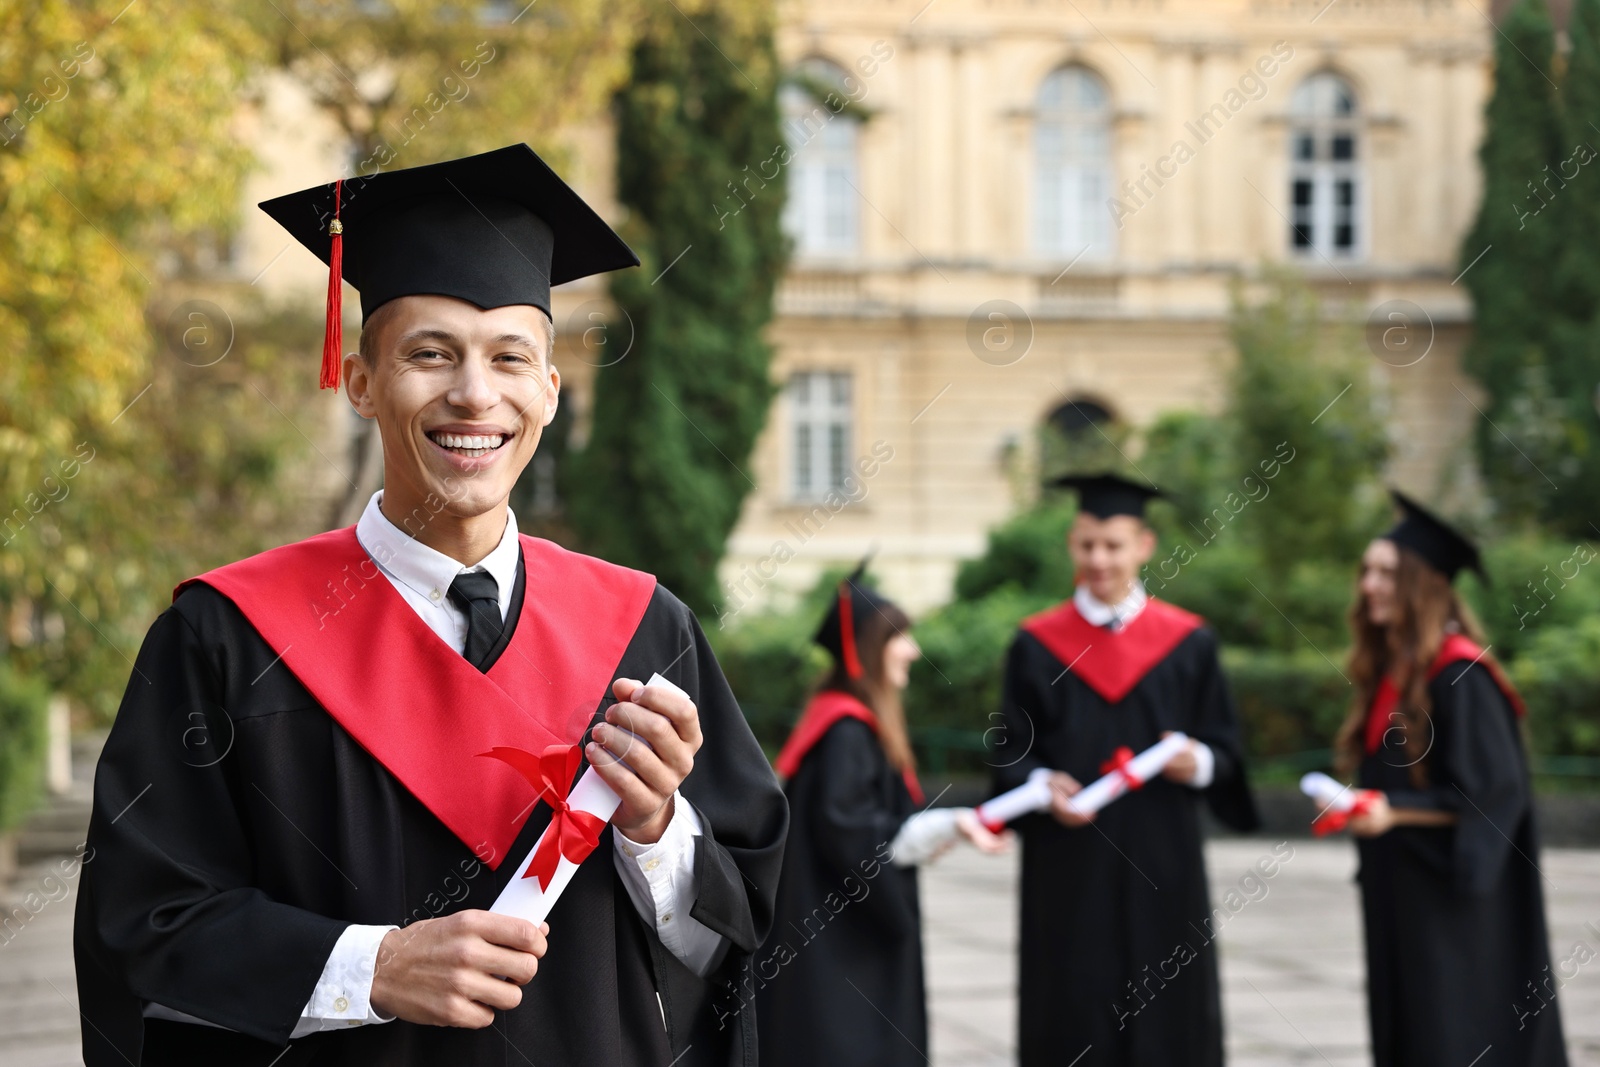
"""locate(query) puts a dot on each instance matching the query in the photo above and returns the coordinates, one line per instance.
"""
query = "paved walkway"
(1291, 963)
(1292, 972)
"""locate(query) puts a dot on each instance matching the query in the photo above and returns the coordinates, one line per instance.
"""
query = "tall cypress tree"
(1520, 226)
(700, 168)
(1574, 359)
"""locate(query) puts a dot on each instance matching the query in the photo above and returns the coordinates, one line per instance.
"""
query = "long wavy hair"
(873, 688)
(1426, 610)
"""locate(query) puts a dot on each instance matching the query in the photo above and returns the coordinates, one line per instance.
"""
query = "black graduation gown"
(1458, 957)
(839, 982)
(1117, 934)
(220, 889)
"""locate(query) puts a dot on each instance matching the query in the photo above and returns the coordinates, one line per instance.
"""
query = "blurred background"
(903, 261)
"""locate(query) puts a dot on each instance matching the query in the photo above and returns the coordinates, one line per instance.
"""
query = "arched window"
(822, 213)
(1079, 435)
(1325, 168)
(1078, 418)
(1072, 166)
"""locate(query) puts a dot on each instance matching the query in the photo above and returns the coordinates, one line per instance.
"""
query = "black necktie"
(477, 595)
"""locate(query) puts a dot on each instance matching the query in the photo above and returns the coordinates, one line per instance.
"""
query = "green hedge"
(771, 663)
(1559, 676)
(1290, 704)
(23, 704)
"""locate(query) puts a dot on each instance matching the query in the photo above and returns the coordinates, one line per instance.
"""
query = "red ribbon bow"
(573, 834)
(1331, 822)
(1120, 763)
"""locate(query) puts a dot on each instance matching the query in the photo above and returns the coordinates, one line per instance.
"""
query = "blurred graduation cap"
(494, 229)
(855, 600)
(1445, 548)
(1105, 495)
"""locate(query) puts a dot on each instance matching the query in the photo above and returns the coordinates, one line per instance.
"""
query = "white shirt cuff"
(1205, 765)
(343, 995)
(659, 879)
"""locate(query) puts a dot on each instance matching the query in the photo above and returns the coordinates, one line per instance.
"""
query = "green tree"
(1300, 406)
(1511, 254)
(117, 169)
(1571, 371)
(1187, 454)
(660, 484)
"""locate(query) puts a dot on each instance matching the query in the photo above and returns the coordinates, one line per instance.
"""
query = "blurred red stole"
(824, 709)
(414, 703)
(1455, 649)
(1112, 662)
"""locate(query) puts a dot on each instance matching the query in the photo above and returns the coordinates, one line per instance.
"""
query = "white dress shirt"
(1114, 617)
(659, 878)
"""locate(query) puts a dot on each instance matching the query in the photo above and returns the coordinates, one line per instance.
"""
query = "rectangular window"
(1344, 215)
(1303, 222)
(819, 404)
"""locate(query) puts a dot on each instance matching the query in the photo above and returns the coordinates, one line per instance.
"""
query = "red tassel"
(333, 329)
(847, 633)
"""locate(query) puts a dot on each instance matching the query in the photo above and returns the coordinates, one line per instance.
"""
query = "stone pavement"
(1291, 960)
(1292, 971)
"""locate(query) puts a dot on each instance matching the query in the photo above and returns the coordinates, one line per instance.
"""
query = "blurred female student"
(840, 979)
(1458, 963)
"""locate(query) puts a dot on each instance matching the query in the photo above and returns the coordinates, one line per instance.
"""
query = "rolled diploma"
(522, 897)
(1145, 766)
(1331, 794)
(1034, 794)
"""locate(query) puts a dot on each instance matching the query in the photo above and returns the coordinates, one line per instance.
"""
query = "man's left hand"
(1182, 767)
(657, 732)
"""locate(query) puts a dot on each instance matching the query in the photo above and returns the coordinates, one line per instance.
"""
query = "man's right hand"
(1062, 788)
(456, 970)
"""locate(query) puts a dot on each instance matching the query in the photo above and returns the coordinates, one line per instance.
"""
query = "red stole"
(415, 704)
(1112, 662)
(1456, 648)
(825, 709)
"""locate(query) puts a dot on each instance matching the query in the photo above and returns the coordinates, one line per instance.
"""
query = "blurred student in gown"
(1117, 948)
(841, 976)
(1458, 962)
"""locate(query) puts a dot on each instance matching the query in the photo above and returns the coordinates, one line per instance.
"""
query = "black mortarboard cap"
(493, 229)
(840, 631)
(1445, 548)
(1105, 495)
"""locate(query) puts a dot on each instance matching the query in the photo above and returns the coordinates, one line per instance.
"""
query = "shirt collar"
(1116, 616)
(427, 571)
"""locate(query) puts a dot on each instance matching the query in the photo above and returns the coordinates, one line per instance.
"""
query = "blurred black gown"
(1117, 959)
(1458, 960)
(841, 979)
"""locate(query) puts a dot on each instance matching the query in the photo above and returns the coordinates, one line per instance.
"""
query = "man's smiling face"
(461, 396)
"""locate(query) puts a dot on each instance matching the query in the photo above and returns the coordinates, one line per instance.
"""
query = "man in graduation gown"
(1118, 961)
(306, 805)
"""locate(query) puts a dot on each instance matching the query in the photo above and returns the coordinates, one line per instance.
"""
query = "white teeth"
(475, 442)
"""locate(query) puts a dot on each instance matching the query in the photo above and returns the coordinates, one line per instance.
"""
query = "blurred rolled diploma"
(1145, 766)
(1034, 794)
(1330, 793)
(1327, 792)
(522, 897)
